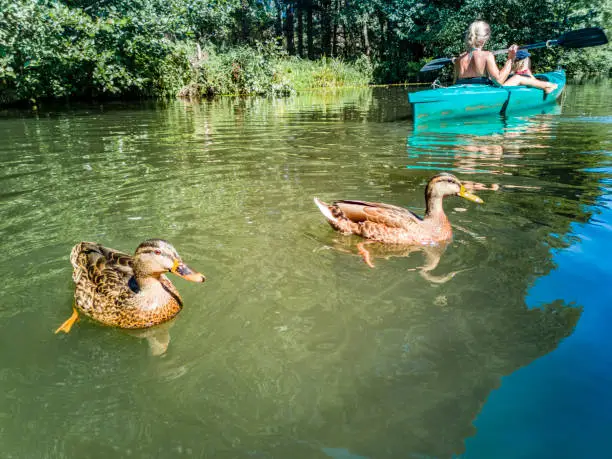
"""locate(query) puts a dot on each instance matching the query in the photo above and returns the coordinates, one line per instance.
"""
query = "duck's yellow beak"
(181, 269)
(469, 196)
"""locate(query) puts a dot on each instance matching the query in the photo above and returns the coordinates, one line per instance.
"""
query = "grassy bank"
(166, 69)
(267, 71)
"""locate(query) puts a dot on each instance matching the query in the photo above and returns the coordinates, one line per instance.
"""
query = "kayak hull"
(470, 100)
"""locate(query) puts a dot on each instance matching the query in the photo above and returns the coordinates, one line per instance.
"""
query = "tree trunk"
(278, 23)
(366, 40)
(347, 41)
(326, 28)
(244, 13)
(382, 21)
(334, 43)
(300, 28)
(392, 48)
(309, 29)
(289, 29)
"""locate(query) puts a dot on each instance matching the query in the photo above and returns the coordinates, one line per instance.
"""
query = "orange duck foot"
(365, 254)
(66, 326)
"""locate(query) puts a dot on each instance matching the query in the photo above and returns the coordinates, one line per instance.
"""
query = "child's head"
(477, 35)
(522, 61)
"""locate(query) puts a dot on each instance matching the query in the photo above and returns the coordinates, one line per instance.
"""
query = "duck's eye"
(157, 252)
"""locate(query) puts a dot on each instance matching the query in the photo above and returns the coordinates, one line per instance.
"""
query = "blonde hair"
(477, 34)
(523, 64)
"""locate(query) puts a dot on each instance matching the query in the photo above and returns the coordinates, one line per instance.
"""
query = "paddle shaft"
(581, 38)
(542, 44)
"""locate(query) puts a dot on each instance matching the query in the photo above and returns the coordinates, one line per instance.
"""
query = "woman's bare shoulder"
(489, 56)
(461, 56)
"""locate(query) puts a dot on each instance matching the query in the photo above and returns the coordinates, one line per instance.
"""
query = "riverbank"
(51, 51)
(187, 71)
(248, 71)
(68, 51)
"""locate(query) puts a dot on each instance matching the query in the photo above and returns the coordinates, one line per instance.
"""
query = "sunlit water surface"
(294, 347)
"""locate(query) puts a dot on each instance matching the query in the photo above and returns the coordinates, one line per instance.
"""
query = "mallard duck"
(390, 224)
(126, 291)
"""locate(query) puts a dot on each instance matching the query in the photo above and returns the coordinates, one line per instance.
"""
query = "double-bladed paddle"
(581, 38)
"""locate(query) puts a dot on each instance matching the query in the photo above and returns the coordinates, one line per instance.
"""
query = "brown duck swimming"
(127, 291)
(389, 224)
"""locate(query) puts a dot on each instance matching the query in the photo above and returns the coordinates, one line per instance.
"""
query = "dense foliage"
(95, 48)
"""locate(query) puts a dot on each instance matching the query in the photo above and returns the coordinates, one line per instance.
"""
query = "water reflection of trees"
(289, 350)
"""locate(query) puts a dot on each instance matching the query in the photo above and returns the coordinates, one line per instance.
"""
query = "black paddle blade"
(436, 64)
(583, 38)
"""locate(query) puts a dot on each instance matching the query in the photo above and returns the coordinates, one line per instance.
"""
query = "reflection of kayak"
(474, 145)
(466, 101)
(485, 126)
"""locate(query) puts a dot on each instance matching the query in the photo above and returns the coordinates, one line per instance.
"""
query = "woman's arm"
(457, 67)
(500, 76)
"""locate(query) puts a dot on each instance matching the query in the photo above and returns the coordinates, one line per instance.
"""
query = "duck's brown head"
(444, 184)
(156, 256)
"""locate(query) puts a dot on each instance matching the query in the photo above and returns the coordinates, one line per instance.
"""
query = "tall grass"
(266, 71)
(324, 73)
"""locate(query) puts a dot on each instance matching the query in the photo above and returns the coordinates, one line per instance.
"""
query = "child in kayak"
(522, 75)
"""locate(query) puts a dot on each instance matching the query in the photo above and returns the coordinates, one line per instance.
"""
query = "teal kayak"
(469, 100)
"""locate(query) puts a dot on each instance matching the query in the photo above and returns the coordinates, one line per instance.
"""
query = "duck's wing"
(100, 272)
(377, 212)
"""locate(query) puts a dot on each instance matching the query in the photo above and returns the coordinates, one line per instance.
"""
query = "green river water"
(294, 347)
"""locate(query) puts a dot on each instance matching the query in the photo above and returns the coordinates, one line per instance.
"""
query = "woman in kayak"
(476, 66)
(522, 74)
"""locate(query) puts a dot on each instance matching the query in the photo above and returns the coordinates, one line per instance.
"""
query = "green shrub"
(240, 70)
(48, 50)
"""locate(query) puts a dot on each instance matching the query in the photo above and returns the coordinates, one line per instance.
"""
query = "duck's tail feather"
(324, 208)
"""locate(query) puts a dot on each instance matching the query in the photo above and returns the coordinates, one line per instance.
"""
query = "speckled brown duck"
(385, 223)
(125, 291)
